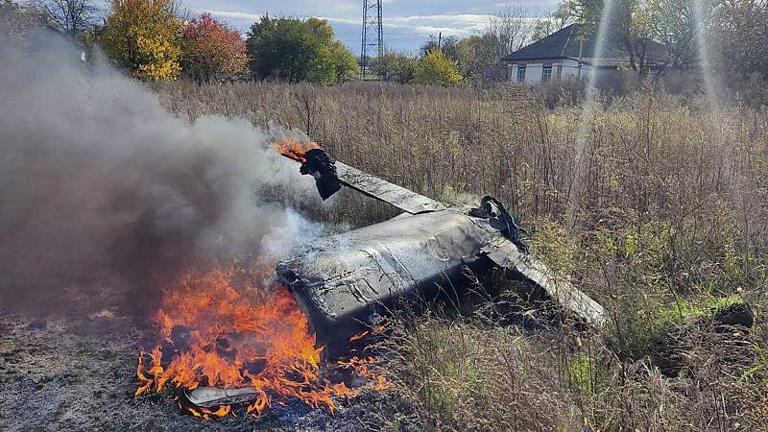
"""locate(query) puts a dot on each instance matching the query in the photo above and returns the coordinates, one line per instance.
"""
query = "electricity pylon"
(373, 33)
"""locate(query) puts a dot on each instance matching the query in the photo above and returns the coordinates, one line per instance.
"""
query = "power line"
(373, 33)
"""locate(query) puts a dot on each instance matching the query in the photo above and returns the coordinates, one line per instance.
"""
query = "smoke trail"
(95, 174)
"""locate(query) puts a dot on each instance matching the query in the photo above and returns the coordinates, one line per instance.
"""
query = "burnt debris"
(320, 166)
(342, 281)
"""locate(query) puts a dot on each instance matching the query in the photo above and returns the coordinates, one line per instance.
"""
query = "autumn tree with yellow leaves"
(144, 38)
(437, 68)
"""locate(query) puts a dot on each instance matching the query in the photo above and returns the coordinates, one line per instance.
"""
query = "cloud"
(231, 14)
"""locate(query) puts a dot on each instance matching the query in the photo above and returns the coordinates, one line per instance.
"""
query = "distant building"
(567, 53)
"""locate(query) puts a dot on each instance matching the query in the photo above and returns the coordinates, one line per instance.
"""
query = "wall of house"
(534, 71)
(571, 69)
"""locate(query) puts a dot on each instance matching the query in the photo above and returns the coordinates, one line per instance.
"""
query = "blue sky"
(407, 23)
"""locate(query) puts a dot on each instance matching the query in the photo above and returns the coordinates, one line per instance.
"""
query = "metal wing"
(507, 255)
(331, 175)
(383, 190)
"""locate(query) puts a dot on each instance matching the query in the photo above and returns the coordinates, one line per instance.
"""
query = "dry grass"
(666, 214)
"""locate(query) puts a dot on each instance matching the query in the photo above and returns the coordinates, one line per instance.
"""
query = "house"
(568, 53)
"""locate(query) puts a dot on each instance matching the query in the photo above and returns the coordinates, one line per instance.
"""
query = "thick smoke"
(95, 175)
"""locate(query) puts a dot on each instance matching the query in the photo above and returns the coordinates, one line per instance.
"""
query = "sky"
(407, 23)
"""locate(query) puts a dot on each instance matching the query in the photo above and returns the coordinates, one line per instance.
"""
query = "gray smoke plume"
(95, 174)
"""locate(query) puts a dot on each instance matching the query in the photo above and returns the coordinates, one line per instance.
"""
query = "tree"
(394, 66)
(635, 23)
(628, 22)
(74, 17)
(449, 45)
(673, 24)
(211, 50)
(294, 50)
(144, 37)
(478, 58)
(343, 62)
(436, 68)
(555, 21)
(512, 27)
(741, 30)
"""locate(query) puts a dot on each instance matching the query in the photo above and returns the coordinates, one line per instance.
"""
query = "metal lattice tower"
(373, 33)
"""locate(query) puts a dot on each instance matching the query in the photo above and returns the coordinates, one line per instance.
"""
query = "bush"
(436, 68)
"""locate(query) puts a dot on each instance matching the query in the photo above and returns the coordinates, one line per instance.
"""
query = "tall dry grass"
(665, 221)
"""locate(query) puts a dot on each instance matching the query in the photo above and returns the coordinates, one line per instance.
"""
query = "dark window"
(521, 73)
(546, 74)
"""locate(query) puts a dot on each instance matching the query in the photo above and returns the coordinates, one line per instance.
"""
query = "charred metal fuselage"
(341, 281)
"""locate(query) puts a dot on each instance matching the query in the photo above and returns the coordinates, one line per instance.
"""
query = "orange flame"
(294, 149)
(223, 329)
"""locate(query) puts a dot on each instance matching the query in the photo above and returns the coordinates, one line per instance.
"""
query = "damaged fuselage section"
(342, 282)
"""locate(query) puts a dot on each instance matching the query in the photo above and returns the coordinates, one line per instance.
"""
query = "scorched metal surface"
(341, 280)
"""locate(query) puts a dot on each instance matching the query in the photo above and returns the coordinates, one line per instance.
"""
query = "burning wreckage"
(343, 282)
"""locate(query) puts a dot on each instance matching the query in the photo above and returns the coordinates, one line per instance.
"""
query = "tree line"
(156, 40)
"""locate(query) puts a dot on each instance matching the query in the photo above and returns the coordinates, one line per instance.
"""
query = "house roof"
(570, 43)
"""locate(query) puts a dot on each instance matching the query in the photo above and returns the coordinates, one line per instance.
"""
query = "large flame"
(222, 328)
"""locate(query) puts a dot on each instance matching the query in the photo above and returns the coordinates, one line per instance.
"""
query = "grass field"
(664, 221)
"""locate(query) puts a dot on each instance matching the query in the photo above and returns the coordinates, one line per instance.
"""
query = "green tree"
(293, 50)
(628, 22)
(394, 66)
(344, 63)
(436, 68)
(673, 24)
(479, 58)
(635, 23)
(144, 37)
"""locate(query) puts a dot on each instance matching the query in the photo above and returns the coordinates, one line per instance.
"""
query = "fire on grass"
(225, 328)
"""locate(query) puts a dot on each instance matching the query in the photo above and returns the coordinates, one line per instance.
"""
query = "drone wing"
(506, 254)
(331, 175)
(400, 197)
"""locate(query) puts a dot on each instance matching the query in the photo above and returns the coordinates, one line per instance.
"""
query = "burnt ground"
(75, 371)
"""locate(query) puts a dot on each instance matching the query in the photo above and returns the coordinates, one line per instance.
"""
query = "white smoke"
(95, 173)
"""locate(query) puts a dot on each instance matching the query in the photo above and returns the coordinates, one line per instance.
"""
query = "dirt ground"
(75, 371)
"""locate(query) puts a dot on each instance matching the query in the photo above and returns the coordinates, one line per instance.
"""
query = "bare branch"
(71, 16)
